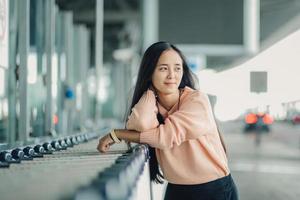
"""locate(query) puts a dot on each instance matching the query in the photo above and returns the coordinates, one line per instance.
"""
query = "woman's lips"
(170, 83)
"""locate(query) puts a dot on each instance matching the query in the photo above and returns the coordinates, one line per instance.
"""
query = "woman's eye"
(162, 68)
(178, 68)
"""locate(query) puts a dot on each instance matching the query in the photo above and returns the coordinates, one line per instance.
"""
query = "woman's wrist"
(119, 134)
(128, 135)
(111, 137)
(114, 137)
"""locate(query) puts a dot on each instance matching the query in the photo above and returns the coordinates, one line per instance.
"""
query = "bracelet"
(114, 137)
(111, 137)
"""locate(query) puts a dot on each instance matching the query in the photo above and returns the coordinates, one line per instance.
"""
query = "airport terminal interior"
(68, 70)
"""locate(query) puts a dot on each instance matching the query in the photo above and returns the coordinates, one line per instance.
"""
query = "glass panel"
(36, 73)
(36, 98)
(3, 106)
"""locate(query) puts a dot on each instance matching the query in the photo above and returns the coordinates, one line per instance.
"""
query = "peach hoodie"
(188, 147)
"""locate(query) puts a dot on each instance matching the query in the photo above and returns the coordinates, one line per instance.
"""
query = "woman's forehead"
(169, 55)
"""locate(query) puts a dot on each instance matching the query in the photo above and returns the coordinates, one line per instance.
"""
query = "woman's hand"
(105, 143)
(123, 134)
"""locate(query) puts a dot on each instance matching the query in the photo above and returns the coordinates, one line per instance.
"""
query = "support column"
(251, 25)
(49, 49)
(99, 51)
(150, 22)
(23, 35)
(12, 132)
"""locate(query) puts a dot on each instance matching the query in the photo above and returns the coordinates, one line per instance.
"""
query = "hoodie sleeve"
(143, 114)
(193, 119)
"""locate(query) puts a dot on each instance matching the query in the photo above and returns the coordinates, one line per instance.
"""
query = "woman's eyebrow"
(164, 64)
(168, 64)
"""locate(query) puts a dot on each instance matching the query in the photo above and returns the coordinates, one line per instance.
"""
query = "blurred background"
(69, 66)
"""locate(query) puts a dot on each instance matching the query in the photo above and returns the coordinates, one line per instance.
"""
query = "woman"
(177, 122)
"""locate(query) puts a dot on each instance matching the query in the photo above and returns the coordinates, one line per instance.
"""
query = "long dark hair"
(144, 81)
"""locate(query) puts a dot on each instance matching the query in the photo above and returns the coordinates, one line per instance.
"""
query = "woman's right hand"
(105, 143)
(143, 115)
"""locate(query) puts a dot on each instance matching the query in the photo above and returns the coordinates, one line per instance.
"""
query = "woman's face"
(168, 72)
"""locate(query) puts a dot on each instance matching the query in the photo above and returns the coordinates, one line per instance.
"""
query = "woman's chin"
(169, 90)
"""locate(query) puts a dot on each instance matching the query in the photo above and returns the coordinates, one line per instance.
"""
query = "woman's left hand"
(105, 143)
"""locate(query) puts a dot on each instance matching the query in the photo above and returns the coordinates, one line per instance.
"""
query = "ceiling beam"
(88, 16)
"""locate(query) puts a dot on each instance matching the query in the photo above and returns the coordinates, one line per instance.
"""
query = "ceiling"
(274, 14)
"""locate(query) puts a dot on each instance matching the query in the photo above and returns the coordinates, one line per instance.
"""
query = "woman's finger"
(103, 149)
(104, 144)
(100, 146)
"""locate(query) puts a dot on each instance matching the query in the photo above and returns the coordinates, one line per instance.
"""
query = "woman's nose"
(171, 74)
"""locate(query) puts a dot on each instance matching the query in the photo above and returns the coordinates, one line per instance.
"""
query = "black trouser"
(220, 189)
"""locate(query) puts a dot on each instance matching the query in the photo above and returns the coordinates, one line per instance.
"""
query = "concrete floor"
(268, 171)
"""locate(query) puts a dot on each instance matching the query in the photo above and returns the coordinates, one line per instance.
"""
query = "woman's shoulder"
(190, 93)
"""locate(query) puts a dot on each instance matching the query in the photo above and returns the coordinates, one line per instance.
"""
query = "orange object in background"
(55, 119)
(251, 118)
(268, 119)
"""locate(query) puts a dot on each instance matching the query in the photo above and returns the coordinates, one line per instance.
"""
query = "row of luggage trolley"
(72, 168)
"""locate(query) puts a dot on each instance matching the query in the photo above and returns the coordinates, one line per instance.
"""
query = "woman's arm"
(123, 134)
(143, 115)
(128, 135)
(142, 118)
(193, 120)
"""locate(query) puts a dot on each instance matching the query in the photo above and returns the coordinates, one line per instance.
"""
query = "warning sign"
(4, 46)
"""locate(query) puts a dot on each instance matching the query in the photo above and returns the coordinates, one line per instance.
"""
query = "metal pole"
(99, 49)
(40, 35)
(60, 67)
(41, 67)
(150, 22)
(49, 47)
(83, 68)
(23, 35)
(12, 132)
(68, 37)
(251, 25)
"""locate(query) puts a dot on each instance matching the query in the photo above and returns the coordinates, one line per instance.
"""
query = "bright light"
(5, 107)
(32, 68)
(54, 68)
(78, 96)
(63, 64)
(123, 54)
(2, 82)
(92, 88)
(103, 86)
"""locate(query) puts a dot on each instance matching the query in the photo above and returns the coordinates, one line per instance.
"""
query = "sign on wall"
(4, 42)
(259, 81)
